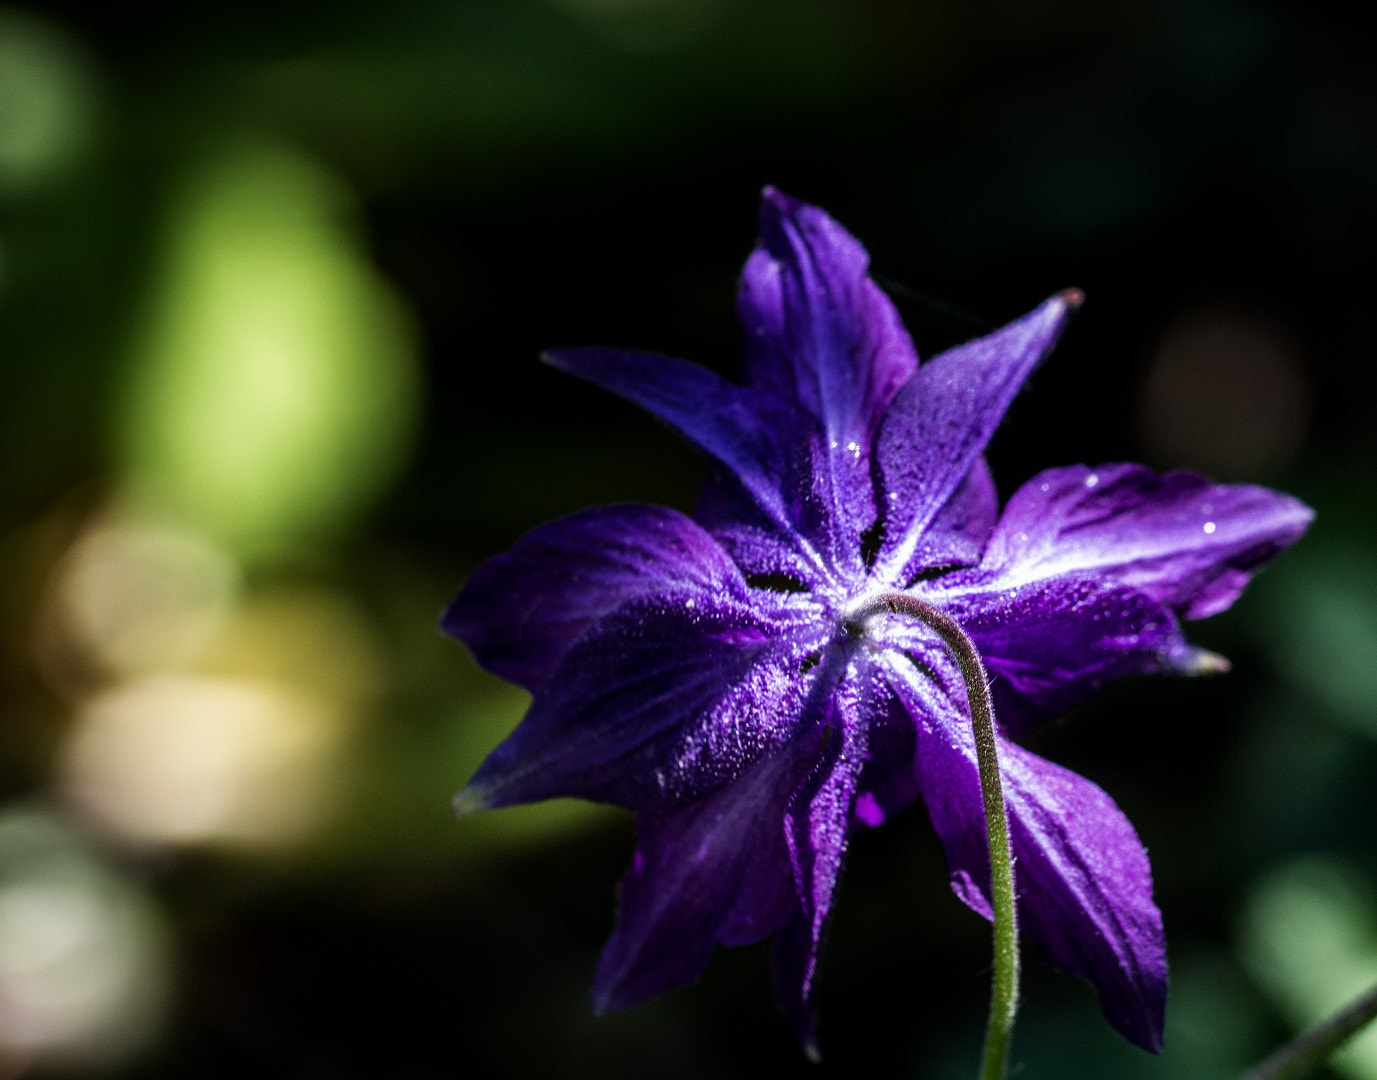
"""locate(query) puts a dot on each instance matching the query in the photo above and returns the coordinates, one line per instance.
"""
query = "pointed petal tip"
(1144, 1023)
(778, 207)
(611, 993)
(775, 207)
(572, 359)
(1146, 1031)
(772, 197)
(602, 993)
(451, 622)
(1071, 299)
(468, 802)
(1204, 662)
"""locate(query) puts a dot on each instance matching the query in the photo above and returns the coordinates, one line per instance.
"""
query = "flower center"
(859, 615)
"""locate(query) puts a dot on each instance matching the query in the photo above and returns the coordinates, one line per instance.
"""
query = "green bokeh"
(273, 381)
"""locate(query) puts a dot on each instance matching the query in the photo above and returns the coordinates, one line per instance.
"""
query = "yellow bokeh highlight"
(132, 597)
(187, 759)
(204, 712)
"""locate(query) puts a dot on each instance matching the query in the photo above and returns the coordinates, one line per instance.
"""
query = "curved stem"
(1313, 1048)
(1004, 993)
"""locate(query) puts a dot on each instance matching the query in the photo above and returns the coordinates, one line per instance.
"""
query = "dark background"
(228, 728)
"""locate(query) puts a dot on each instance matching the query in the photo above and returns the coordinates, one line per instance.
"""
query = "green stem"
(1004, 994)
(1313, 1048)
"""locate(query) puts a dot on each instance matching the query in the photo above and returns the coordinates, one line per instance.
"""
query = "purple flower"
(705, 672)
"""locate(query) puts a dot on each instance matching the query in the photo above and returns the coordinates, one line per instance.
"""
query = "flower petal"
(665, 700)
(754, 545)
(1086, 891)
(521, 611)
(958, 533)
(756, 436)
(818, 827)
(1050, 645)
(1082, 877)
(823, 542)
(820, 333)
(818, 330)
(711, 873)
(714, 871)
(943, 418)
(1184, 541)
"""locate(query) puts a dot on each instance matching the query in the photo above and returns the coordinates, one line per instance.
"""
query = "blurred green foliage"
(273, 387)
(272, 285)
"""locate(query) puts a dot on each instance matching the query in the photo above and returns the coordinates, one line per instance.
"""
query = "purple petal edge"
(1083, 880)
(1085, 891)
(1050, 645)
(1177, 537)
(521, 611)
(658, 706)
(818, 330)
(751, 433)
(941, 421)
(817, 830)
(712, 872)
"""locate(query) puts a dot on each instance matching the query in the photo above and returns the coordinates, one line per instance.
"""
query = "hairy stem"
(1004, 994)
(1313, 1048)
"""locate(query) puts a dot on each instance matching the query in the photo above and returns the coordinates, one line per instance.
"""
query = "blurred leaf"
(46, 102)
(1310, 939)
(274, 383)
(1323, 629)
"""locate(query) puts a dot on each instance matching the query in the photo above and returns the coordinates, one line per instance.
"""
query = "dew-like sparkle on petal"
(1209, 528)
